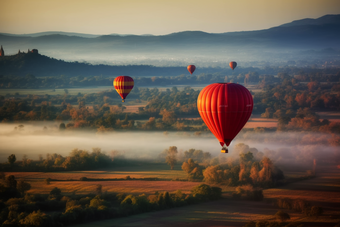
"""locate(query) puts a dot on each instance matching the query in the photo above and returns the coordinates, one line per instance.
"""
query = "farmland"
(323, 190)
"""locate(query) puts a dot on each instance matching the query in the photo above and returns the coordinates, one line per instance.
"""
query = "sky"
(157, 17)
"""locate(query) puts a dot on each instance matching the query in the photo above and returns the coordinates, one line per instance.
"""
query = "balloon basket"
(224, 150)
(123, 100)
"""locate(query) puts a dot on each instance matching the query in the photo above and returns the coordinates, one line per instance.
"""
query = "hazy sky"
(155, 16)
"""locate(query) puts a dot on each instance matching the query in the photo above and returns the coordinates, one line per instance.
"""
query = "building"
(2, 53)
(34, 51)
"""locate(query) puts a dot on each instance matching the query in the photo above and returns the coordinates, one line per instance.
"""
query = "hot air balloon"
(191, 68)
(232, 65)
(225, 108)
(123, 85)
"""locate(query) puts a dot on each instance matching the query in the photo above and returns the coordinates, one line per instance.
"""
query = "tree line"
(19, 208)
(258, 171)
(77, 160)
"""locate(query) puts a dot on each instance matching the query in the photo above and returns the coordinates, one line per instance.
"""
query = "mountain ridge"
(186, 46)
(328, 18)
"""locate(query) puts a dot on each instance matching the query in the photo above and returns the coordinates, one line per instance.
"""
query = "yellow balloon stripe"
(122, 91)
(122, 83)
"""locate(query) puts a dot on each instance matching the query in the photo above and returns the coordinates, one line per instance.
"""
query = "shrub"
(282, 216)
(316, 211)
(47, 181)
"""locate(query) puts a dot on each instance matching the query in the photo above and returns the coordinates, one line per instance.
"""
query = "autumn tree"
(282, 216)
(193, 169)
(171, 158)
(12, 159)
(10, 181)
(23, 186)
(169, 117)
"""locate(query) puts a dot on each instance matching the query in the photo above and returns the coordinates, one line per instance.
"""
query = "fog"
(34, 138)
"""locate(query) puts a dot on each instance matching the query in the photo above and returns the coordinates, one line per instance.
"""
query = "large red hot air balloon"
(225, 108)
(232, 65)
(123, 85)
(191, 68)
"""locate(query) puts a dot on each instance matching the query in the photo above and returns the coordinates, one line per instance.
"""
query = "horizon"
(119, 34)
(136, 18)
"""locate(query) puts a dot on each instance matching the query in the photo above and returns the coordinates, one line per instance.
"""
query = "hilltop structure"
(33, 51)
(2, 53)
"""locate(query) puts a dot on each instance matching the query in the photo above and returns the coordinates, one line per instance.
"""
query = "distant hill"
(279, 43)
(40, 65)
(327, 19)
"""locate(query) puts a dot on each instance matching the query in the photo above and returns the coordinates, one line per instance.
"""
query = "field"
(255, 122)
(84, 90)
(324, 191)
(69, 182)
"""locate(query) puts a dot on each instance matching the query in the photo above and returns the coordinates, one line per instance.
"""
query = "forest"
(292, 99)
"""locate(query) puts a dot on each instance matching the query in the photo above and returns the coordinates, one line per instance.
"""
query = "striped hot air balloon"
(123, 85)
(225, 108)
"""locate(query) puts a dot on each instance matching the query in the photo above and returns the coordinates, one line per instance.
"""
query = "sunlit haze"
(154, 16)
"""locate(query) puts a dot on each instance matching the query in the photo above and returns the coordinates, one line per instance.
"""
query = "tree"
(62, 126)
(23, 186)
(37, 218)
(55, 192)
(193, 169)
(316, 211)
(282, 216)
(47, 181)
(11, 182)
(246, 157)
(171, 158)
(12, 159)
(99, 189)
(169, 117)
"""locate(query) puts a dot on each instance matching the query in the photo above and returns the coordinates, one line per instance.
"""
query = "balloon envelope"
(191, 68)
(232, 65)
(225, 108)
(123, 85)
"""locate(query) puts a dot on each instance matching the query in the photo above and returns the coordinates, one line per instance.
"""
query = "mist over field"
(297, 149)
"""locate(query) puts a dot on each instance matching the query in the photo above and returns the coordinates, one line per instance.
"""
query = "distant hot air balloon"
(232, 65)
(123, 85)
(225, 108)
(191, 68)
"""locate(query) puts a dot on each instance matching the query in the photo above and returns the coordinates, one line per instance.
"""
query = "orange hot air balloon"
(225, 108)
(123, 85)
(232, 65)
(191, 68)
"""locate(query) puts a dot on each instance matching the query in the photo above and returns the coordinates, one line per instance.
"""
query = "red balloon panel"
(191, 68)
(225, 108)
